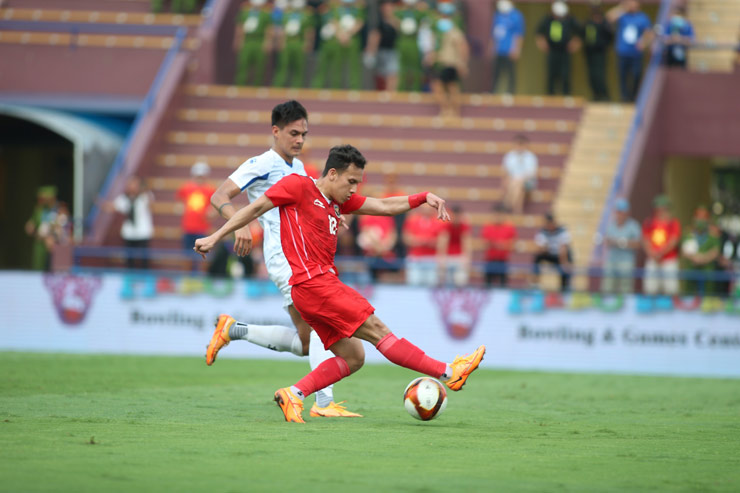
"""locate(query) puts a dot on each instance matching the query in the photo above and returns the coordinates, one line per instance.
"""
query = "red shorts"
(331, 308)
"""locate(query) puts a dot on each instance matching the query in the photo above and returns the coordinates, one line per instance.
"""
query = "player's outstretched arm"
(221, 202)
(393, 206)
(242, 217)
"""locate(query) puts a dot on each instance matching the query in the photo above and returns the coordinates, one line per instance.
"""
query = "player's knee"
(355, 362)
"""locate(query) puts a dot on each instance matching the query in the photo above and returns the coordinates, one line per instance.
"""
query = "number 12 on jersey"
(332, 224)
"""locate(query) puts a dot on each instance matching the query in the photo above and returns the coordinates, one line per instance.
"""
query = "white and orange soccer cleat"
(290, 404)
(333, 410)
(220, 337)
(463, 366)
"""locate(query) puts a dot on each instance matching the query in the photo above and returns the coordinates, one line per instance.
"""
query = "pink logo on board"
(460, 309)
(72, 295)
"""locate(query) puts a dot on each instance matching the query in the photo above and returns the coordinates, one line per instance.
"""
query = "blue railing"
(144, 109)
(642, 98)
(118, 254)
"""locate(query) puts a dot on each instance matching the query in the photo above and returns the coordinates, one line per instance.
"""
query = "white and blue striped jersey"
(256, 175)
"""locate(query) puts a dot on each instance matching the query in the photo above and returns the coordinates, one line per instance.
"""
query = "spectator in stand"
(455, 249)
(634, 35)
(135, 205)
(450, 61)
(520, 179)
(40, 227)
(558, 35)
(295, 43)
(597, 36)
(392, 189)
(499, 236)
(195, 196)
(409, 18)
(507, 34)
(420, 233)
(253, 41)
(700, 249)
(622, 240)
(661, 235)
(553, 246)
(678, 34)
(377, 238)
(381, 54)
(341, 44)
(729, 259)
(177, 6)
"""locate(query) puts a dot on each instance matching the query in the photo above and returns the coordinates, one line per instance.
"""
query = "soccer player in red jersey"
(309, 218)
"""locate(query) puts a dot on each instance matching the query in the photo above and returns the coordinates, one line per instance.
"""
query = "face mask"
(298, 4)
(409, 2)
(444, 25)
(504, 6)
(281, 4)
(677, 21)
(559, 9)
(257, 3)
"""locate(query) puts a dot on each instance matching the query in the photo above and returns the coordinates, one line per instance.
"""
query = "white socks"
(317, 355)
(276, 337)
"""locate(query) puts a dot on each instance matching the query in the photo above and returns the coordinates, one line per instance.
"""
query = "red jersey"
(382, 226)
(456, 232)
(308, 225)
(197, 199)
(659, 233)
(426, 229)
(498, 232)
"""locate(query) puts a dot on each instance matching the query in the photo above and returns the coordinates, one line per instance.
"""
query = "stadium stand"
(459, 159)
(715, 23)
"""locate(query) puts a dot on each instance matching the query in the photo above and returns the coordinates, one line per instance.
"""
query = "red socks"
(403, 353)
(327, 373)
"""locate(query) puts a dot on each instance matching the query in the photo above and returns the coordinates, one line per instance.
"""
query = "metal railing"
(144, 109)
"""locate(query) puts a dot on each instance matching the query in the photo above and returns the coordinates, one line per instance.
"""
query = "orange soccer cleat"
(290, 404)
(463, 366)
(333, 410)
(220, 337)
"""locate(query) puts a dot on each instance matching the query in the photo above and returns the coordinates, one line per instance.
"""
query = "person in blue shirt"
(634, 34)
(507, 32)
(678, 34)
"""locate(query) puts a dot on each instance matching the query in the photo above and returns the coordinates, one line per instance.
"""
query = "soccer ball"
(425, 398)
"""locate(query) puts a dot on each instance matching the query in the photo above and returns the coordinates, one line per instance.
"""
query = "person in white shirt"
(520, 165)
(255, 176)
(137, 230)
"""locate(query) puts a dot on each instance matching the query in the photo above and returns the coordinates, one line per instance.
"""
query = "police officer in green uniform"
(597, 36)
(341, 44)
(178, 6)
(254, 41)
(558, 35)
(39, 226)
(297, 40)
(410, 16)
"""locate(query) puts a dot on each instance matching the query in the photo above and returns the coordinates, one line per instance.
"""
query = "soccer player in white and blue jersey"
(255, 176)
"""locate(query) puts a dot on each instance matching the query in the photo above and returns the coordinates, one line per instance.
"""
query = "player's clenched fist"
(204, 245)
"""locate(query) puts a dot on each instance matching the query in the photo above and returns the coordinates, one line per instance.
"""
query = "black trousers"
(503, 65)
(596, 62)
(141, 257)
(555, 260)
(558, 72)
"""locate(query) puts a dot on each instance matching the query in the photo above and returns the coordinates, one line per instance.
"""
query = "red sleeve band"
(417, 199)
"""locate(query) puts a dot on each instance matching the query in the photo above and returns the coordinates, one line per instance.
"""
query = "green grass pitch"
(113, 423)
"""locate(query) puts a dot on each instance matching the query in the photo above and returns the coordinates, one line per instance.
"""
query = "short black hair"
(288, 112)
(340, 157)
(521, 138)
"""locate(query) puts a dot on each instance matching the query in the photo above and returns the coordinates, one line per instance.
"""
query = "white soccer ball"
(425, 398)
